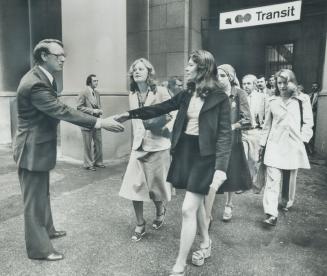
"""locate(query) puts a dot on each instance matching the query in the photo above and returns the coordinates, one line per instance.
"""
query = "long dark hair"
(206, 78)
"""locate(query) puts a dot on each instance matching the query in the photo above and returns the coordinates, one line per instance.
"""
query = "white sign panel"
(261, 15)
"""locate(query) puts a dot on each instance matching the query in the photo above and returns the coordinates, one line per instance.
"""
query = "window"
(278, 57)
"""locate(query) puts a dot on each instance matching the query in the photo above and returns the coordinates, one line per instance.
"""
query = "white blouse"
(193, 111)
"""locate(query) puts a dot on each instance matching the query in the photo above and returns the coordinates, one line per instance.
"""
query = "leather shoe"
(270, 220)
(100, 165)
(55, 256)
(90, 168)
(57, 234)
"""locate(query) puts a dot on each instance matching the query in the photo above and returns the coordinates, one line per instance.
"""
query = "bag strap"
(301, 112)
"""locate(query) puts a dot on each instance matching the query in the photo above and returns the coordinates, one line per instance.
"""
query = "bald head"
(249, 83)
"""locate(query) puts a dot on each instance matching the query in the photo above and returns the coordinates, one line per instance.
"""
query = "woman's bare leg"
(191, 205)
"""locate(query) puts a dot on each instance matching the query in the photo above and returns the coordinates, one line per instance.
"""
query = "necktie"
(54, 85)
(93, 93)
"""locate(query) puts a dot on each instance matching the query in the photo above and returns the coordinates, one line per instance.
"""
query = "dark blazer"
(39, 112)
(214, 123)
(86, 103)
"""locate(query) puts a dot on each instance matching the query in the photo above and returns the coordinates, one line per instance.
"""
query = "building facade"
(105, 36)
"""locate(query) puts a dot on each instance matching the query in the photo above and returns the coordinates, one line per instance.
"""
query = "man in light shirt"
(262, 86)
(251, 137)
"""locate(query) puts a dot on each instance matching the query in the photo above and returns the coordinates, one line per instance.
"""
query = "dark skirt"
(189, 170)
(238, 173)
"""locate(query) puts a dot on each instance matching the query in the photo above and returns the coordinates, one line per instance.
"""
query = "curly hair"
(150, 79)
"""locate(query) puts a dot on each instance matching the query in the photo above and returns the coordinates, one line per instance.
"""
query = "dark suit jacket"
(39, 112)
(86, 103)
(214, 123)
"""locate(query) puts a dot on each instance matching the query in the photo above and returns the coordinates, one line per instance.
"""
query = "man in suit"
(88, 102)
(175, 85)
(262, 86)
(39, 112)
(314, 94)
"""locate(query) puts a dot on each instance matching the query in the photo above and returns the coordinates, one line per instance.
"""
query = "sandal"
(137, 236)
(227, 216)
(156, 224)
(199, 256)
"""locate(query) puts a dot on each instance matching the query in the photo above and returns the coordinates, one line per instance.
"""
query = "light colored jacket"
(283, 135)
(149, 140)
(87, 103)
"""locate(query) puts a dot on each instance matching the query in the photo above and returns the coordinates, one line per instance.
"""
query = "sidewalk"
(99, 225)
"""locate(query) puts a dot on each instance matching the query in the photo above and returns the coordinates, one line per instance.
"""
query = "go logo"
(243, 18)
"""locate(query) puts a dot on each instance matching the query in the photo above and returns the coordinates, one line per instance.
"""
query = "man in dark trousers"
(88, 101)
(39, 112)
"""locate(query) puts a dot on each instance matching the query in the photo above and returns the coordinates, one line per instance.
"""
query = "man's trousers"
(37, 212)
(92, 155)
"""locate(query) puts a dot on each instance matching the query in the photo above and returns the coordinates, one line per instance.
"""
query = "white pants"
(289, 187)
(272, 190)
(251, 139)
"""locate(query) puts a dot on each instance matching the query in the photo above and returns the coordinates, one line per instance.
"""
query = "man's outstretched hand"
(111, 124)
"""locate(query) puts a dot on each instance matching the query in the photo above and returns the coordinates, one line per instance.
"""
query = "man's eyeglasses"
(58, 55)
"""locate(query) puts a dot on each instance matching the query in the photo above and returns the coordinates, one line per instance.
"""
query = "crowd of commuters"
(207, 135)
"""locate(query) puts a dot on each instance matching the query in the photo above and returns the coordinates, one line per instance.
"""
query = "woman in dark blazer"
(201, 145)
(238, 173)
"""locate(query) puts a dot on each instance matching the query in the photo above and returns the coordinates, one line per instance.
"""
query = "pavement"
(99, 225)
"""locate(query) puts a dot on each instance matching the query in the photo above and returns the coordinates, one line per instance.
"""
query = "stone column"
(14, 61)
(94, 37)
(321, 126)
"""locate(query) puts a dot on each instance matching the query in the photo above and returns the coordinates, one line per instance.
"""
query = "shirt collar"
(46, 72)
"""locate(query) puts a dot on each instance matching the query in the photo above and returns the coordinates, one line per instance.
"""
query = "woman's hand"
(121, 118)
(218, 179)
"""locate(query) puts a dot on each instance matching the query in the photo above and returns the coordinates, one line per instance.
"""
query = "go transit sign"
(271, 14)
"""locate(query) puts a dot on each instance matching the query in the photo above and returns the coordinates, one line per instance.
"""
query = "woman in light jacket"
(145, 176)
(288, 125)
(201, 145)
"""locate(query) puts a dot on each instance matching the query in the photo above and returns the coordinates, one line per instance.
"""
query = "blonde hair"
(150, 79)
(287, 75)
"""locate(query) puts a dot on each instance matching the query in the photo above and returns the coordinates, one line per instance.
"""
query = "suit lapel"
(90, 97)
(151, 99)
(213, 99)
(43, 77)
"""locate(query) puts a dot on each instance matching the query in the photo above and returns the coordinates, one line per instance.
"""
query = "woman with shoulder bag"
(287, 126)
(146, 172)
